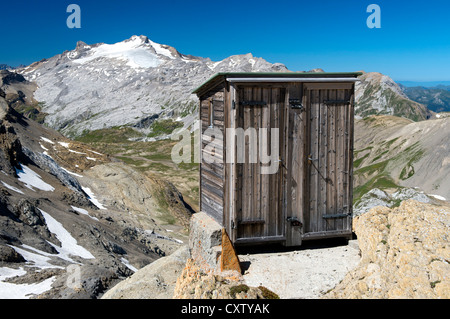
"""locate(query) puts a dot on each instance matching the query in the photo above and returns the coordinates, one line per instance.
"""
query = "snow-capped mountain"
(106, 85)
(136, 81)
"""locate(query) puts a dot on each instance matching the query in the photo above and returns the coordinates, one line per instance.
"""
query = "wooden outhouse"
(304, 123)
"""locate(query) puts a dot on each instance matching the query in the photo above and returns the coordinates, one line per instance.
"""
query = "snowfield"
(69, 245)
(83, 211)
(131, 52)
(21, 291)
(32, 179)
(92, 198)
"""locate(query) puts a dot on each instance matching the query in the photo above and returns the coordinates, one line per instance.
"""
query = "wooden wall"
(212, 174)
(314, 197)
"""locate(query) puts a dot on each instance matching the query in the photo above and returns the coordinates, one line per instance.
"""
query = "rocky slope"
(392, 151)
(436, 99)
(73, 221)
(19, 94)
(405, 254)
(378, 94)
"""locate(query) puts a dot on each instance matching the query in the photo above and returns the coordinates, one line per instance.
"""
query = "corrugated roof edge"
(276, 75)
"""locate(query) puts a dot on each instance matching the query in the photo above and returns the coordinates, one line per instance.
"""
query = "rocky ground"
(405, 254)
(392, 152)
(73, 221)
(400, 252)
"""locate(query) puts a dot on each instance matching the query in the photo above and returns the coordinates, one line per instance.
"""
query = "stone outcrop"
(154, 281)
(210, 246)
(213, 269)
(405, 254)
(196, 283)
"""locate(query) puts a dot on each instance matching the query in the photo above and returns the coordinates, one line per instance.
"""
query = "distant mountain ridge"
(107, 85)
(378, 94)
(137, 81)
(436, 98)
(428, 84)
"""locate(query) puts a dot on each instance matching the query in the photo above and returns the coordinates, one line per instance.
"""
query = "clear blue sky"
(412, 44)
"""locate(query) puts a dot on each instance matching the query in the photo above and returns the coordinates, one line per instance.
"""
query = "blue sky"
(413, 42)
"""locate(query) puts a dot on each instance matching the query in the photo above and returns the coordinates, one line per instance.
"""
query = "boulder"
(405, 254)
(154, 281)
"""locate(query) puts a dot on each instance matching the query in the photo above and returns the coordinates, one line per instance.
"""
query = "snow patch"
(92, 198)
(71, 173)
(69, 245)
(95, 152)
(25, 291)
(12, 188)
(38, 258)
(65, 144)
(84, 212)
(160, 50)
(72, 151)
(32, 179)
(127, 263)
(47, 140)
(438, 197)
(6, 272)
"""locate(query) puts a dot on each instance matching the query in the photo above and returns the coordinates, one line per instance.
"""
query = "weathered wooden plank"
(239, 166)
(331, 187)
(314, 156)
(215, 145)
(340, 159)
(265, 195)
(212, 209)
(307, 193)
(283, 104)
(327, 234)
(226, 191)
(248, 208)
(256, 174)
(328, 86)
(253, 240)
(323, 154)
(253, 222)
(213, 177)
(350, 158)
(273, 177)
(215, 167)
(211, 190)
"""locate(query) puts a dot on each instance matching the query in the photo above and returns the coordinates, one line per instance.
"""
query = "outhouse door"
(329, 156)
(259, 213)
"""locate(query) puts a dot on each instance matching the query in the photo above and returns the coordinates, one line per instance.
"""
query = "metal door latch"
(294, 221)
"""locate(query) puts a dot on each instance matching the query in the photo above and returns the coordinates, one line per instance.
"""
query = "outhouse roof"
(278, 77)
